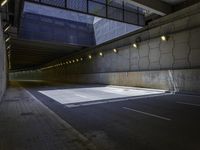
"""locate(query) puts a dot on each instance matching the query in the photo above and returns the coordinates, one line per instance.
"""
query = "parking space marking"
(191, 104)
(148, 114)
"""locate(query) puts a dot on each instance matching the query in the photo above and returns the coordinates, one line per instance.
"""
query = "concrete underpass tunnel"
(104, 74)
(121, 42)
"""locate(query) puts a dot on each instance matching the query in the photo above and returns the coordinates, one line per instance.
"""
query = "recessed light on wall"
(100, 54)
(135, 45)
(9, 46)
(4, 2)
(90, 56)
(81, 58)
(6, 29)
(137, 41)
(164, 38)
(70, 62)
(7, 39)
(115, 50)
(73, 61)
(77, 60)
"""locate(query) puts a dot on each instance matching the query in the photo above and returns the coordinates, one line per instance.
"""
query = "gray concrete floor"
(27, 124)
(111, 117)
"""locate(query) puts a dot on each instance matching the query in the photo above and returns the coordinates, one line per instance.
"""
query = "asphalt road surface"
(124, 118)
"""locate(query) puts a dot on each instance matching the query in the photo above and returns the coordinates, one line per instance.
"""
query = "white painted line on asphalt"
(191, 104)
(148, 114)
(81, 96)
(113, 100)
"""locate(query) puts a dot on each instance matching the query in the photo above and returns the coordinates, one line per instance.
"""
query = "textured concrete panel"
(154, 32)
(181, 24)
(187, 80)
(166, 47)
(144, 63)
(181, 63)
(134, 64)
(181, 37)
(181, 51)
(167, 28)
(134, 52)
(154, 65)
(144, 49)
(194, 39)
(154, 55)
(194, 20)
(123, 59)
(144, 35)
(154, 43)
(195, 57)
(166, 60)
(134, 58)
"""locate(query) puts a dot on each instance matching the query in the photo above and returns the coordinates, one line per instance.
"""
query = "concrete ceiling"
(159, 7)
(173, 2)
(27, 54)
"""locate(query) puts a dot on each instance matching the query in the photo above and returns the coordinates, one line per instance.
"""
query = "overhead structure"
(30, 54)
(117, 10)
(154, 6)
(51, 29)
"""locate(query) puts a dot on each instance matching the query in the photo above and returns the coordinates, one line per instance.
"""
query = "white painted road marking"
(81, 96)
(148, 114)
(85, 94)
(191, 104)
(88, 103)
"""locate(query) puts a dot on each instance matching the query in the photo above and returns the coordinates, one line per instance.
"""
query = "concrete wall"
(106, 30)
(172, 65)
(3, 67)
(185, 80)
(50, 29)
(44, 23)
(49, 11)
